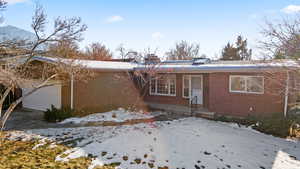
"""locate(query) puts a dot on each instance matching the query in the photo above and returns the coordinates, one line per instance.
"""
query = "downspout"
(72, 91)
(286, 97)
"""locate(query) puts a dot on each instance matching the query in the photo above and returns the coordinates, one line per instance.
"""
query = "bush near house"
(295, 109)
(275, 124)
(55, 115)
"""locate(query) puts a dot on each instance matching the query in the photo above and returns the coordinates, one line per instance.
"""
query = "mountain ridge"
(10, 32)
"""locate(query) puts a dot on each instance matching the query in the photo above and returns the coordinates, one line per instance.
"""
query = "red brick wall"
(105, 92)
(178, 99)
(239, 104)
(217, 98)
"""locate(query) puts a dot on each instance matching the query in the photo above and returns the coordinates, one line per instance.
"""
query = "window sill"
(155, 94)
(243, 92)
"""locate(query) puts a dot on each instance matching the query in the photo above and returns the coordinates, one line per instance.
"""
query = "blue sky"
(158, 24)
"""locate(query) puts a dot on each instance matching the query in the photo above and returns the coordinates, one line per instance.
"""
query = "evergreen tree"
(239, 51)
(229, 52)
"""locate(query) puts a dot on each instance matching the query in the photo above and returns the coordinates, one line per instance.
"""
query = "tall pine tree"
(237, 51)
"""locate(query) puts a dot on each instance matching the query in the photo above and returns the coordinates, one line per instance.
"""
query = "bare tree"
(282, 41)
(97, 51)
(65, 49)
(146, 69)
(3, 5)
(122, 51)
(184, 51)
(20, 69)
(128, 54)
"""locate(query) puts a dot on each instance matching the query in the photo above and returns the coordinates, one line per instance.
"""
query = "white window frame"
(245, 91)
(297, 83)
(190, 84)
(183, 86)
(169, 87)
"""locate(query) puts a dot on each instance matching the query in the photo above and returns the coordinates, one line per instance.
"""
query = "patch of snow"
(29, 136)
(91, 64)
(53, 145)
(95, 162)
(41, 143)
(71, 154)
(184, 143)
(221, 66)
(119, 115)
(129, 66)
(22, 136)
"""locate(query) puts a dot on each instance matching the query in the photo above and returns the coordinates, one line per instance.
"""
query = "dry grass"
(20, 154)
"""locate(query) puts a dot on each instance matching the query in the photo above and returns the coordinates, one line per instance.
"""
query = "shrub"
(275, 124)
(55, 115)
(295, 109)
(248, 121)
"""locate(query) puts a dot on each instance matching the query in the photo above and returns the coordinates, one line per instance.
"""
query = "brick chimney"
(152, 59)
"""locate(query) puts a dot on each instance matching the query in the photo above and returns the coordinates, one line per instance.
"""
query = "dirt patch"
(133, 121)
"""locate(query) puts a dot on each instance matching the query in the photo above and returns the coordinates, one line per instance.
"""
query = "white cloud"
(291, 9)
(116, 18)
(253, 16)
(157, 35)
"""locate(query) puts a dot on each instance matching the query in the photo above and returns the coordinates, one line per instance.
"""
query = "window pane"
(152, 85)
(186, 92)
(255, 84)
(238, 84)
(172, 86)
(162, 86)
(186, 86)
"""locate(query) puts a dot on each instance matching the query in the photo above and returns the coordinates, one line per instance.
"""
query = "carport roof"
(91, 64)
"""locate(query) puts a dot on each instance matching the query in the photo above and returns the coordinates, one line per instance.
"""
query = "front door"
(196, 90)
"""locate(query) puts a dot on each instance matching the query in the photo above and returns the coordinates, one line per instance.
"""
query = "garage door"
(43, 98)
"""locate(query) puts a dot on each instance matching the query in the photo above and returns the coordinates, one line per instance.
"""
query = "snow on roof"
(170, 66)
(91, 64)
(224, 65)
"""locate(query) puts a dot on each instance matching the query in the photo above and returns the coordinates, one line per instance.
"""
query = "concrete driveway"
(23, 119)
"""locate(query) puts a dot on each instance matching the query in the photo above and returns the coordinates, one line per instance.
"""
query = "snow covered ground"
(185, 143)
(119, 115)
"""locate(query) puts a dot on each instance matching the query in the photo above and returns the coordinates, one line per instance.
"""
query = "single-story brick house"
(236, 88)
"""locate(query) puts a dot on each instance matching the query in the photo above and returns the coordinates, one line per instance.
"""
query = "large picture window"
(164, 85)
(246, 84)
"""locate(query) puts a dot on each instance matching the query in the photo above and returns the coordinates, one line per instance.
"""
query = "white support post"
(190, 88)
(286, 96)
(72, 91)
